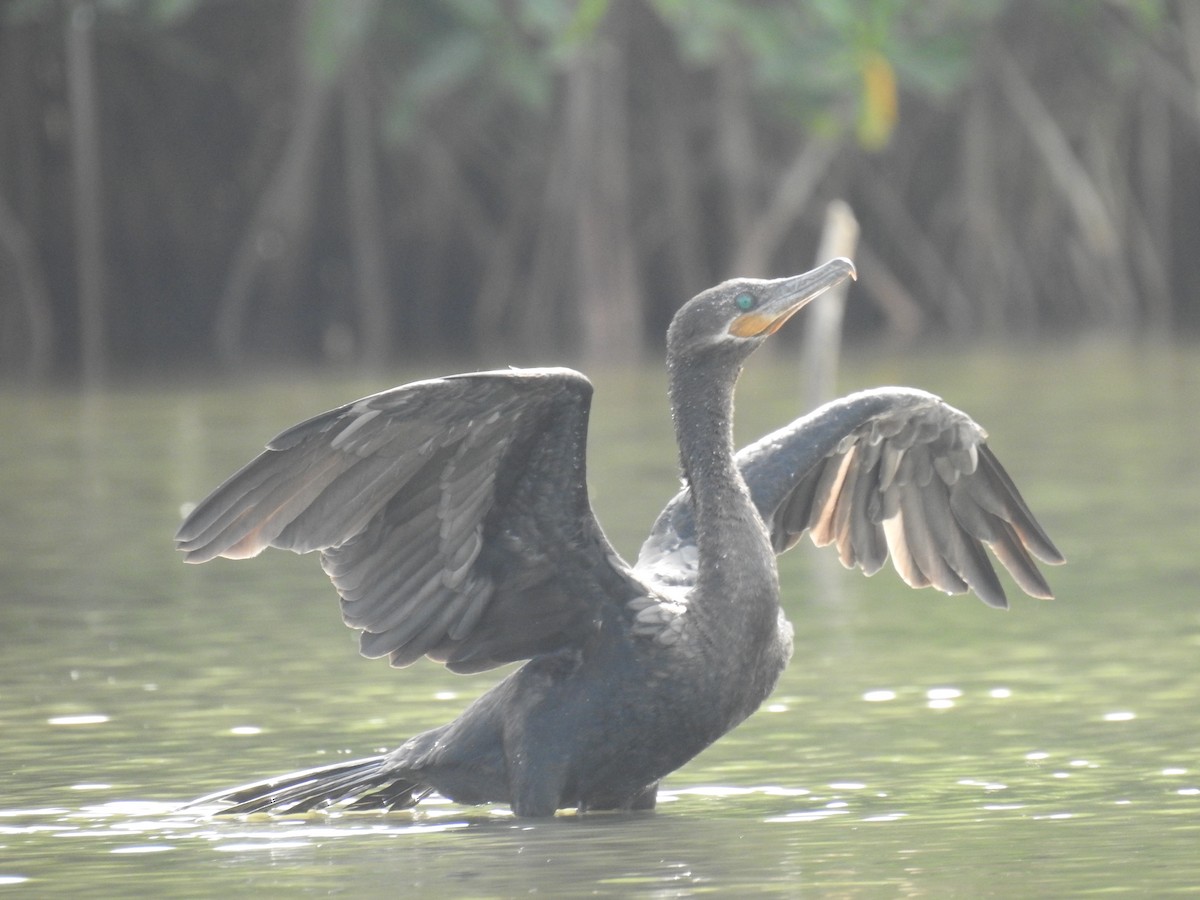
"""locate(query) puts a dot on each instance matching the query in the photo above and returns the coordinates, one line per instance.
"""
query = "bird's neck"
(703, 417)
(735, 557)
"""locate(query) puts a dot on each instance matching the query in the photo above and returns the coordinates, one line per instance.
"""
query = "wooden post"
(823, 319)
(821, 353)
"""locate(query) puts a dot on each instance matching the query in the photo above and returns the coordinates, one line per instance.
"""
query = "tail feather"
(360, 784)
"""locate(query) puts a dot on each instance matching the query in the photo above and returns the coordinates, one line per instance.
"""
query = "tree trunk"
(371, 294)
(36, 339)
(789, 199)
(1100, 268)
(89, 214)
(737, 151)
(682, 211)
(608, 295)
(283, 217)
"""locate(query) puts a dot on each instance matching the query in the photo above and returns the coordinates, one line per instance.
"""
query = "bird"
(452, 515)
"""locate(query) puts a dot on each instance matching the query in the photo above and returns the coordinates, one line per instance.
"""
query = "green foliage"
(807, 56)
(333, 30)
(587, 18)
(484, 51)
(976, 224)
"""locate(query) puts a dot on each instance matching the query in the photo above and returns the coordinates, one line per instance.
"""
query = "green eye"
(744, 302)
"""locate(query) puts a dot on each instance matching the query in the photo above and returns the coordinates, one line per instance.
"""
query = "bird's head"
(731, 320)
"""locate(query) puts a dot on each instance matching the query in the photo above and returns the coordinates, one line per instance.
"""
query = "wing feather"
(402, 492)
(891, 472)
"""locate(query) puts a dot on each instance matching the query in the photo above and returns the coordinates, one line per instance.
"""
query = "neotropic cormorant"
(453, 517)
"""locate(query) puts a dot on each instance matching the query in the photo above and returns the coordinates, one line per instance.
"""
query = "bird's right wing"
(888, 472)
(452, 516)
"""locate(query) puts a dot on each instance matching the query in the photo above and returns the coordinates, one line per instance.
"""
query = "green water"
(918, 746)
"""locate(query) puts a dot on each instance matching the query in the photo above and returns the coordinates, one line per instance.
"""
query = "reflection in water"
(918, 745)
(87, 719)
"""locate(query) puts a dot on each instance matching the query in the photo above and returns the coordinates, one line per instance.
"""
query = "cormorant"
(452, 516)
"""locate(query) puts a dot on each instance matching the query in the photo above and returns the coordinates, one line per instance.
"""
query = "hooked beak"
(782, 298)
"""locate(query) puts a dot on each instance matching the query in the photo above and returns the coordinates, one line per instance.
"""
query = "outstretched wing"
(887, 472)
(452, 515)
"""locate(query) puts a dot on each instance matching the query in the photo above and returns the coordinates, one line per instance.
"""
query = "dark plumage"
(452, 515)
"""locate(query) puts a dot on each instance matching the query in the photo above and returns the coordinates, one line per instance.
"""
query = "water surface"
(919, 745)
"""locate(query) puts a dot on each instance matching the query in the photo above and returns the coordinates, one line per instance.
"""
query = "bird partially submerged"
(452, 516)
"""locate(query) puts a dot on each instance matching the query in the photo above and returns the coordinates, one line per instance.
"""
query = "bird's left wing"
(887, 472)
(452, 516)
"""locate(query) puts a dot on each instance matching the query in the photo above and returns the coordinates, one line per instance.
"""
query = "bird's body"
(452, 515)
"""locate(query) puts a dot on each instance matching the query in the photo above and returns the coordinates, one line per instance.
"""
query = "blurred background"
(187, 183)
(219, 217)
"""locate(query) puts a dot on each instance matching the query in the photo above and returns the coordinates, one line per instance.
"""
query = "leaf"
(878, 106)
